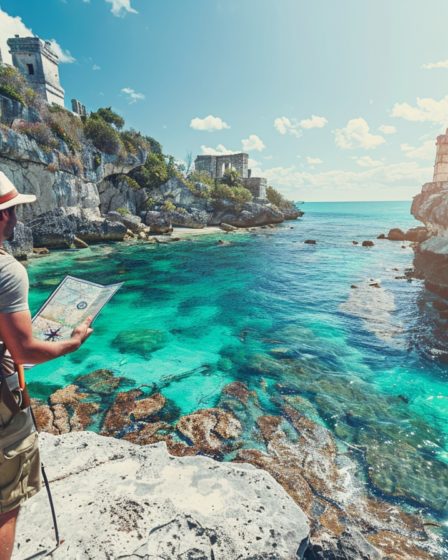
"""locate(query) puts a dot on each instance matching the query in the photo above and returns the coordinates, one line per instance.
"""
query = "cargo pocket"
(17, 462)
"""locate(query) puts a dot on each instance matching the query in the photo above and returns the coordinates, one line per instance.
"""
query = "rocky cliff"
(62, 182)
(115, 499)
(431, 208)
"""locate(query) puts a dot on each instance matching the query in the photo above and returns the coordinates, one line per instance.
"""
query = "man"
(19, 470)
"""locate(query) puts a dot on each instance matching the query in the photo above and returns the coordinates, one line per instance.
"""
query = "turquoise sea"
(281, 316)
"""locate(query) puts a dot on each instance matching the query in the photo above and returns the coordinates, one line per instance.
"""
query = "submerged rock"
(140, 502)
(139, 341)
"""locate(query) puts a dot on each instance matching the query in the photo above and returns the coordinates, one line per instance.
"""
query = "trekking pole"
(26, 401)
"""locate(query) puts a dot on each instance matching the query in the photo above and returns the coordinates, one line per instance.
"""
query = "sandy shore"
(188, 232)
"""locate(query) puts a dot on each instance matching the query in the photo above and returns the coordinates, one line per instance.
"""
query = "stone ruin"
(216, 166)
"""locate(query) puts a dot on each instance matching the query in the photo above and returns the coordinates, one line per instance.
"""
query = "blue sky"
(333, 100)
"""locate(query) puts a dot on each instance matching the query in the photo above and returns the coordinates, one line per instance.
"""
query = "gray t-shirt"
(13, 297)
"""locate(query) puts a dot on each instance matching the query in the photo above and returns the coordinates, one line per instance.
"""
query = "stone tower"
(36, 60)
(441, 164)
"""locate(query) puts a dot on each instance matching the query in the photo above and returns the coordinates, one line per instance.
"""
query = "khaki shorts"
(19, 470)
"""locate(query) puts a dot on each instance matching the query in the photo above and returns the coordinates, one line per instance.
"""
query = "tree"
(153, 173)
(188, 162)
(110, 117)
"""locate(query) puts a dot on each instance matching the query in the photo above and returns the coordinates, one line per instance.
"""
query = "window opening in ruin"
(30, 69)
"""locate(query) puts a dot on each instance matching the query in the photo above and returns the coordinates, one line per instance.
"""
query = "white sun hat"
(10, 196)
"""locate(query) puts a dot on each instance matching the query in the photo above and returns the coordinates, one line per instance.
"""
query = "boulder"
(249, 214)
(57, 229)
(191, 218)
(368, 243)
(132, 223)
(310, 241)
(417, 234)
(396, 234)
(158, 222)
(22, 244)
(120, 500)
(227, 227)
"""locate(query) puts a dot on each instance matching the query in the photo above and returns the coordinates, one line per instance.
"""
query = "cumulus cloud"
(313, 160)
(10, 26)
(432, 65)
(313, 122)
(253, 143)
(63, 55)
(425, 110)
(356, 135)
(385, 181)
(121, 7)
(285, 125)
(220, 150)
(426, 151)
(387, 129)
(96, 67)
(367, 161)
(132, 95)
(209, 123)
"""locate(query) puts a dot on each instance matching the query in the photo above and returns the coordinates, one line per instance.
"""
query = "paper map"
(73, 301)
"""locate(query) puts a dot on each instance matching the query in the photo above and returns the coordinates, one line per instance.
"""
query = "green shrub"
(231, 178)
(276, 198)
(103, 136)
(240, 195)
(201, 177)
(169, 206)
(150, 203)
(130, 182)
(66, 126)
(9, 91)
(153, 173)
(38, 132)
(97, 160)
(133, 142)
(123, 211)
(110, 117)
(154, 146)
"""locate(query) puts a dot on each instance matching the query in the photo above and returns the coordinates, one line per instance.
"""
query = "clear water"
(281, 315)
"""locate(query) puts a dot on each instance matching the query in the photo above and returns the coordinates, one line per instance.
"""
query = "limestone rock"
(158, 222)
(247, 215)
(190, 218)
(132, 223)
(396, 234)
(368, 243)
(227, 227)
(115, 499)
(208, 429)
(22, 244)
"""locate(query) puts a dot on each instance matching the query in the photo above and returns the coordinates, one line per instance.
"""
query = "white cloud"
(220, 150)
(426, 110)
(10, 26)
(387, 129)
(432, 65)
(285, 125)
(426, 151)
(132, 95)
(313, 160)
(367, 161)
(209, 123)
(384, 182)
(96, 67)
(64, 56)
(121, 7)
(313, 122)
(356, 135)
(253, 143)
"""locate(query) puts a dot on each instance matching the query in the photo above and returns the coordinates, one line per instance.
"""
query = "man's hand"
(82, 332)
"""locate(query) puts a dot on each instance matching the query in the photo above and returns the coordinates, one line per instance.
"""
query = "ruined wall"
(257, 186)
(216, 166)
(441, 163)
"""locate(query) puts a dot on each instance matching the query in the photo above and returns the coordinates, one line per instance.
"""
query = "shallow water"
(281, 316)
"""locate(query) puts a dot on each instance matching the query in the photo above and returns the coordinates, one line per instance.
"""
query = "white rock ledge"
(118, 500)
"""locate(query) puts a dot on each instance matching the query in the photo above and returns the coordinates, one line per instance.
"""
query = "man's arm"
(16, 332)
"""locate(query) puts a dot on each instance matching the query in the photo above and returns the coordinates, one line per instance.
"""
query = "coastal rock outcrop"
(249, 214)
(22, 244)
(431, 208)
(119, 500)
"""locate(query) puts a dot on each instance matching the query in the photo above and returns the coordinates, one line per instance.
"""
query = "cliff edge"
(115, 499)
